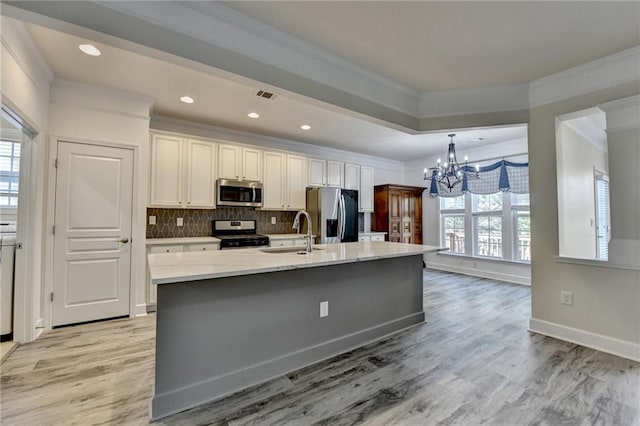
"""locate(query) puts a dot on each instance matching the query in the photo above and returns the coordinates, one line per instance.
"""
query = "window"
(496, 226)
(603, 229)
(487, 225)
(9, 173)
(452, 224)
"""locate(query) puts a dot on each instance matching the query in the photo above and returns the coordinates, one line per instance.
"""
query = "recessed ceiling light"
(253, 115)
(90, 49)
(187, 99)
(305, 127)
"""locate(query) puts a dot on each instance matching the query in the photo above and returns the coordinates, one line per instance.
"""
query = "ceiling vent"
(265, 94)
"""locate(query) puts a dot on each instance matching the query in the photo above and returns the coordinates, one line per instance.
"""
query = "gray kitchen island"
(227, 320)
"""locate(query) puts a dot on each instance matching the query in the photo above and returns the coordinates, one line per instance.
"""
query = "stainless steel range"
(237, 234)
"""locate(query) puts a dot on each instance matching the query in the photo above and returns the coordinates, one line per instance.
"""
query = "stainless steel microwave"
(239, 193)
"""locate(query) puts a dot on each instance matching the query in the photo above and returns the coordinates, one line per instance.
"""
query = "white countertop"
(190, 240)
(166, 268)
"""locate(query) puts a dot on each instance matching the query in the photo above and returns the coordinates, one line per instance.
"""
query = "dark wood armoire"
(398, 212)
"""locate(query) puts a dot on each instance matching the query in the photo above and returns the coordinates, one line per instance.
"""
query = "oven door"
(239, 193)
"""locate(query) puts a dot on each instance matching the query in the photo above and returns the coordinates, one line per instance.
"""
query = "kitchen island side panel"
(218, 336)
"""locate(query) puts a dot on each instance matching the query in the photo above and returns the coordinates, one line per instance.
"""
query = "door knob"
(123, 240)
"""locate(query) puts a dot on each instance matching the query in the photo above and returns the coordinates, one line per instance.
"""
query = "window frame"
(11, 174)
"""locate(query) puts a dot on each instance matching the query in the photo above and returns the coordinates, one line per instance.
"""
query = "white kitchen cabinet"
(352, 176)
(379, 237)
(273, 185)
(326, 173)
(364, 238)
(151, 291)
(166, 185)
(317, 172)
(182, 172)
(365, 196)
(335, 174)
(284, 184)
(239, 163)
(294, 241)
(296, 196)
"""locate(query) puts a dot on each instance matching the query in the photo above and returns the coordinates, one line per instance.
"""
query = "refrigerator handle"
(344, 217)
(340, 219)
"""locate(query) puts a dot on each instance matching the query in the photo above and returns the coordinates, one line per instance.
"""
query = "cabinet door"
(352, 176)
(229, 162)
(200, 173)
(274, 181)
(366, 189)
(166, 171)
(317, 172)
(251, 164)
(335, 174)
(395, 205)
(296, 182)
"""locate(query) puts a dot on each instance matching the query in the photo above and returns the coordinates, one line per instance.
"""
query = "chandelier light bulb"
(445, 165)
(425, 171)
(477, 167)
(451, 155)
(459, 173)
(466, 158)
(439, 161)
(439, 173)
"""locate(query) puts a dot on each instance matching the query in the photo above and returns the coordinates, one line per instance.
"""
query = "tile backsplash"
(197, 223)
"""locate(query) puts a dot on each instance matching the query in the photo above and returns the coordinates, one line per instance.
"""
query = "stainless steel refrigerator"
(334, 214)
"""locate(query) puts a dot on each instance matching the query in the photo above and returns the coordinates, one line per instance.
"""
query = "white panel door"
(274, 181)
(335, 173)
(166, 171)
(251, 164)
(200, 174)
(317, 172)
(366, 189)
(92, 256)
(352, 176)
(296, 182)
(229, 162)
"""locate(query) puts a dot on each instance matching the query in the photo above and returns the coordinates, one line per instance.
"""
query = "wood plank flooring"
(473, 362)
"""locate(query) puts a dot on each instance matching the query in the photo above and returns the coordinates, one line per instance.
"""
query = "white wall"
(25, 89)
(576, 159)
(84, 113)
(505, 271)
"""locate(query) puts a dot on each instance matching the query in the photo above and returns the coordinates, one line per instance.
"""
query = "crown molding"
(622, 114)
(619, 68)
(19, 44)
(223, 27)
(474, 101)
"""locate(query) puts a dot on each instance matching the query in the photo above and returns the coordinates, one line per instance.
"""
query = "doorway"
(92, 233)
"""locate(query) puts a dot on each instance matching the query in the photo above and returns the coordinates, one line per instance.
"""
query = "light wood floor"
(473, 362)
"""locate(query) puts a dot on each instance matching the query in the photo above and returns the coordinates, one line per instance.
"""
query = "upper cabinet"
(182, 172)
(352, 176)
(239, 163)
(284, 181)
(326, 173)
(366, 189)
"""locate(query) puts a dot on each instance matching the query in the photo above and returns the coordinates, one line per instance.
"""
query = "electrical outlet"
(180, 222)
(324, 309)
(566, 298)
(152, 220)
(273, 220)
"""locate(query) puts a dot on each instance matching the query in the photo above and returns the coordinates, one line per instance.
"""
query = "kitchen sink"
(300, 250)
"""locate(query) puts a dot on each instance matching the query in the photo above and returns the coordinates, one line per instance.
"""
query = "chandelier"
(450, 173)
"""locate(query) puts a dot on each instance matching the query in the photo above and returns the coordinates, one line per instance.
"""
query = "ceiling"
(432, 46)
(426, 46)
(222, 102)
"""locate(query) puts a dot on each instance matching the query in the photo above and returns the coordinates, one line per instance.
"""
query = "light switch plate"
(324, 309)
(273, 220)
(180, 222)
(566, 298)
(152, 220)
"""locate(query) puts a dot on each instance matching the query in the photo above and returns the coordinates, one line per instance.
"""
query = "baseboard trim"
(168, 403)
(610, 345)
(141, 309)
(482, 273)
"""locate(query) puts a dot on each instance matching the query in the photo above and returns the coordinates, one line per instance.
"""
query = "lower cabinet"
(293, 242)
(150, 290)
(367, 238)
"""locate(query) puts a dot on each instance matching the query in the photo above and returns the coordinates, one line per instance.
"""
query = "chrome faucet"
(296, 225)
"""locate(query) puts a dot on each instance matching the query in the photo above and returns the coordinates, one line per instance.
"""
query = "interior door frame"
(50, 220)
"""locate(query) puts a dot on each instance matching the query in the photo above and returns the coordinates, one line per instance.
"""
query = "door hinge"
(51, 298)
(53, 230)
(55, 163)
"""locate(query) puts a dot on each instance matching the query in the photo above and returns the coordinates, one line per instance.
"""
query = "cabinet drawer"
(300, 242)
(202, 247)
(377, 238)
(166, 249)
(364, 238)
(280, 243)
